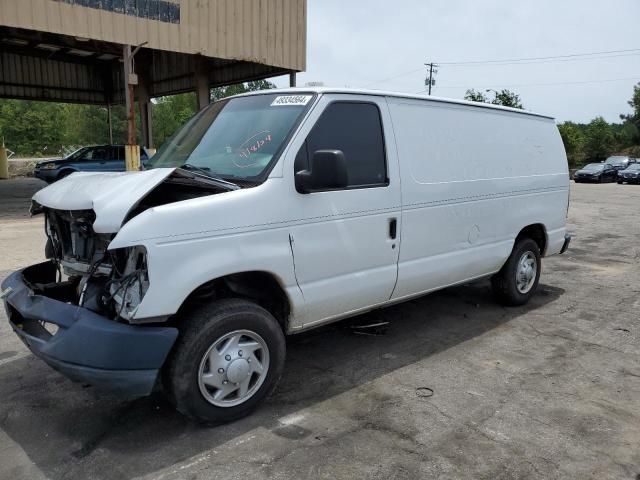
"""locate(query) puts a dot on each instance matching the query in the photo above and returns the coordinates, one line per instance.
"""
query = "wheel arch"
(538, 233)
(262, 287)
(65, 171)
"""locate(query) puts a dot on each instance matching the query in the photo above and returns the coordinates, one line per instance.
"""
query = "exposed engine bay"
(111, 283)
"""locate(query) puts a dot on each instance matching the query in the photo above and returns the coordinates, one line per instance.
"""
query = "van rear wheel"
(228, 358)
(518, 279)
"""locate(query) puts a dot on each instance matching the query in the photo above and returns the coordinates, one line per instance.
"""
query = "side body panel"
(472, 178)
(192, 242)
(463, 182)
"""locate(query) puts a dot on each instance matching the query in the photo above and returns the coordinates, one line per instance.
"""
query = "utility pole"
(431, 81)
(131, 149)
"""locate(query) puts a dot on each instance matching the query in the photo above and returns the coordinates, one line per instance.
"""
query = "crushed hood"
(110, 195)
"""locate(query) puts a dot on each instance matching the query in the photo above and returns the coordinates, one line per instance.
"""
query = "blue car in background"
(98, 158)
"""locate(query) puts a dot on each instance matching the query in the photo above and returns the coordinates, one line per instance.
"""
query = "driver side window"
(354, 128)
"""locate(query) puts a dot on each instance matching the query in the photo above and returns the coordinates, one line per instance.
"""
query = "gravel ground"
(549, 390)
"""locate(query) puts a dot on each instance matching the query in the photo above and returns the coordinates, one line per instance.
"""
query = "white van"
(276, 212)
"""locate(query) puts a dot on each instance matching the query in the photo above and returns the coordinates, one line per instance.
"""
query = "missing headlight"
(130, 281)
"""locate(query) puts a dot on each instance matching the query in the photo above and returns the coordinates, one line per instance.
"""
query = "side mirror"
(328, 172)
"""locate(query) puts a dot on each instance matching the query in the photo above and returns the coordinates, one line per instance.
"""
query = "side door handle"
(393, 228)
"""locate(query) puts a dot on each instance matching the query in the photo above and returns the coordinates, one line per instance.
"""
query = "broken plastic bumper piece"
(80, 343)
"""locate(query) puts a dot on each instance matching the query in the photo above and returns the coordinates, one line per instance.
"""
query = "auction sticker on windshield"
(286, 100)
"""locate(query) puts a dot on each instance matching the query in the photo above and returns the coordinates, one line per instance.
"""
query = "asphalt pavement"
(456, 387)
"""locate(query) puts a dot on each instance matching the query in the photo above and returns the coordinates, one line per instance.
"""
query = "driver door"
(346, 245)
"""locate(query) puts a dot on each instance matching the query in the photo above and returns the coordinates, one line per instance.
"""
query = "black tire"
(198, 333)
(504, 283)
(619, 182)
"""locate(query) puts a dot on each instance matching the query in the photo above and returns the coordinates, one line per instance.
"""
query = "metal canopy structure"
(43, 66)
(73, 50)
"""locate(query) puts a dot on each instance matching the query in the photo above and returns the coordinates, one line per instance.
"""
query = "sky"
(384, 44)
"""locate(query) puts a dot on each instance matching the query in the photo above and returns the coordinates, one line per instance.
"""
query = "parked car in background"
(98, 158)
(620, 162)
(596, 172)
(630, 175)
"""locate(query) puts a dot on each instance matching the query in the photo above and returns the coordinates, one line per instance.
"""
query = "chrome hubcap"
(526, 272)
(233, 368)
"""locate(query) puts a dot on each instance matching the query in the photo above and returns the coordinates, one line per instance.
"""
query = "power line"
(637, 77)
(394, 77)
(524, 61)
(554, 57)
(536, 62)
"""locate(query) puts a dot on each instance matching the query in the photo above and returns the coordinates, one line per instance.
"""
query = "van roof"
(383, 93)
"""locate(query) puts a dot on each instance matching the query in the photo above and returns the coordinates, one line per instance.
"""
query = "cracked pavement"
(549, 390)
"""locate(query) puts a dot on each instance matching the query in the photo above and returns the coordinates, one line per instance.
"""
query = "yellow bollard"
(132, 157)
(4, 162)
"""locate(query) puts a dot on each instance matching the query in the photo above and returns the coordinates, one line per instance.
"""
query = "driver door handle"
(393, 228)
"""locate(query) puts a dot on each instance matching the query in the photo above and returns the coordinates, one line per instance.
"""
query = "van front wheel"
(228, 358)
(518, 279)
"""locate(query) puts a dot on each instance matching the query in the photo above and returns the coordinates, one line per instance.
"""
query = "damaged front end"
(77, 311)
(74, 310)
(111, 283)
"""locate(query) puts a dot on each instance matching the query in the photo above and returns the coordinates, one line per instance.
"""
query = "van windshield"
(234, 139)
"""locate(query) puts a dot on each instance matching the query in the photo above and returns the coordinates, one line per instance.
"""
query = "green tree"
(600, 140)
(507, 98)
(239, 88)
(49, 129)
(504, 97)
(88, 124)
(31, 128)
(573, 139)
(475, 96)
(625, 135)
(170, 113)
(633, 119)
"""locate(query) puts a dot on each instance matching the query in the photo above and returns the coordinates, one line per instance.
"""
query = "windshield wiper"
(203, 170)
(240, 180)
(206, 172)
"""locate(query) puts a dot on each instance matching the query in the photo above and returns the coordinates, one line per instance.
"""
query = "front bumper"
(86, 347)
(629, 179)
(48, 175)
(586, 179)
